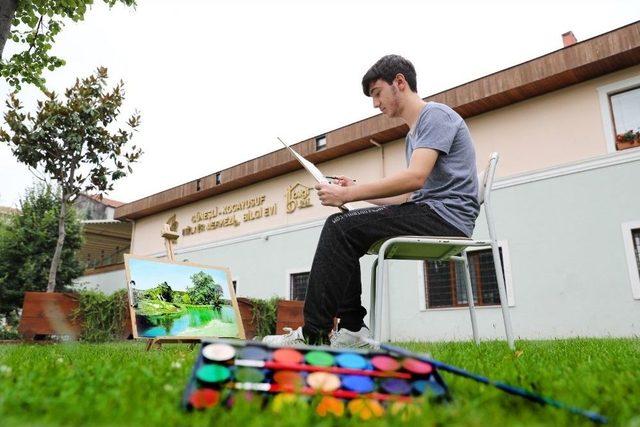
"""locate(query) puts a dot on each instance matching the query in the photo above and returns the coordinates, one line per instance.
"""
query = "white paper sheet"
(313, 170)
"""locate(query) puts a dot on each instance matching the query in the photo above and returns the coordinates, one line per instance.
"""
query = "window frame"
(606, 110)
(632, 266)
(321, 142)
(290, 273)
(508, 282)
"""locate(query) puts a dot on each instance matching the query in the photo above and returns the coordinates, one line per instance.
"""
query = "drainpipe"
(377, 144)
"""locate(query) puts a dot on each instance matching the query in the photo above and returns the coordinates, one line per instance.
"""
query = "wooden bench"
(48, 313)
(289, 314)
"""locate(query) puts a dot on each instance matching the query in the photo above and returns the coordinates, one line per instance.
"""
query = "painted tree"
(33, 25)
(74, 143)
(161, 292)
(205, 291)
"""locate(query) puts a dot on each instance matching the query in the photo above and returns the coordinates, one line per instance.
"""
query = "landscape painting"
(181, 300)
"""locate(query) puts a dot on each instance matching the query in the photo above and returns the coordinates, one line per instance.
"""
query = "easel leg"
(153, 341)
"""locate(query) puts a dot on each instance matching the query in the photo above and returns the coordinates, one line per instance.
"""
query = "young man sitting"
(436, 195)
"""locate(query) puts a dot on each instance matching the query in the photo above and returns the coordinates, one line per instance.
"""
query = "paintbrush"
(340, 394)
(312, 368)
(516, 391)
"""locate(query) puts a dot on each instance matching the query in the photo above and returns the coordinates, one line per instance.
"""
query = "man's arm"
(400, 183)
(395, 200)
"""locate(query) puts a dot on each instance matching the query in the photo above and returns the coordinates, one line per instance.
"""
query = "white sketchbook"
(313, 170)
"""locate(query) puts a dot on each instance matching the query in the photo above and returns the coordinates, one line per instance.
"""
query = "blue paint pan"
(358, 383)
(396, 386)
(429, 388)
(351, 360)
(252, 352)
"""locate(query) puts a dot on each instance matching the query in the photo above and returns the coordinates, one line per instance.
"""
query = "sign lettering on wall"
(298, 196)
(229, 215)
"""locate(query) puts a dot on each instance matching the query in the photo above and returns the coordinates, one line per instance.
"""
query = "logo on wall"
(298, 196)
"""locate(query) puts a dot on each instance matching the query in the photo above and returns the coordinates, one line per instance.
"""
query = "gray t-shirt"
(451, 189)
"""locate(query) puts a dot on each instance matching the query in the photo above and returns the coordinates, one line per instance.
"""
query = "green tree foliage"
(27, 243)
(162, 292)
(74, 143)
(205, 291)
(33, 26)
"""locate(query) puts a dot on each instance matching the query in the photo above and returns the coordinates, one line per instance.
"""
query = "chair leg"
(462, 261)
(373, 299)
(506, 316)
(386, 330)
(504, 304)
(379, 299)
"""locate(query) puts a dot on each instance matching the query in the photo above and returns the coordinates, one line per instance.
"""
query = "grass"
(121, 384)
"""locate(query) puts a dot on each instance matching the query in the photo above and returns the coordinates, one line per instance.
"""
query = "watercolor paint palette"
(337, 382)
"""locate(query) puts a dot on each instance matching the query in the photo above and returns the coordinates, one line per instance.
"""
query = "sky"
(148, 274)
(217, 81)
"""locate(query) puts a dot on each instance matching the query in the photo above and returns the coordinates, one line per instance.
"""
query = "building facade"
(566, 205)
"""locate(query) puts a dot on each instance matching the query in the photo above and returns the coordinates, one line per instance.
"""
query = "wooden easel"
(159, 341)
(170, 234)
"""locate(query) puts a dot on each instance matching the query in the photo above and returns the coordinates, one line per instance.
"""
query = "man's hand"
(332, 194)
(344, 181)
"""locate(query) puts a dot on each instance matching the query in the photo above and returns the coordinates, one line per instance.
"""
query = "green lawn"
(121, 384)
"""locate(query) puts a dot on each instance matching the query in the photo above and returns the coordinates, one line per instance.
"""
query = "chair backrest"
(485, 178)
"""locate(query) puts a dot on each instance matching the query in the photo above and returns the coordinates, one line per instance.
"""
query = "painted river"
(191, 318)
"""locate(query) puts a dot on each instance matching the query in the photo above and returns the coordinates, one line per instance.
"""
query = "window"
(635, 237)
(218, 180)
(298, 286)
(444, 286)
(625, 109)
(631, 239)
(620, 111)
(321, 142)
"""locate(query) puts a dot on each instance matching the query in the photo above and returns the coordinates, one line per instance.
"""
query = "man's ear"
(400, 81)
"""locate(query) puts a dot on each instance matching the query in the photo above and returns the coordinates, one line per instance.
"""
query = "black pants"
(335, 288)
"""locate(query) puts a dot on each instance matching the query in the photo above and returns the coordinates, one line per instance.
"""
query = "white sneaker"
(292, 337)
(345, 338)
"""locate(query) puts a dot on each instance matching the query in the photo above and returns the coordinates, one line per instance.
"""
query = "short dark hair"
(386, 69)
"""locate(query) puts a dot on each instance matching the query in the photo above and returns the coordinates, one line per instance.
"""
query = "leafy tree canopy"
(71, 139)
(73, 142)
(27, 243)
(33, 25)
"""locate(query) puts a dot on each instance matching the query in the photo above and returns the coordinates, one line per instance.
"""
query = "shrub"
(103, 317)
(265, 315)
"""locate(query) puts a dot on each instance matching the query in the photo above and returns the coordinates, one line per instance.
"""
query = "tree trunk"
(7, 11)
(57, 255)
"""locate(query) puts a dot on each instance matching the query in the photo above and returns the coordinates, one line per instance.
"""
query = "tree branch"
(33, 172)
(33, 44)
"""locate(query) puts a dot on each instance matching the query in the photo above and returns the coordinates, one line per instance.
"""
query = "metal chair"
(437, 249)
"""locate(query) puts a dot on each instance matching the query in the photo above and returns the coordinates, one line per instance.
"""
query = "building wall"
(553, 129)
(107, 283)
(567, 260)
(90, 209)
(364, 166)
